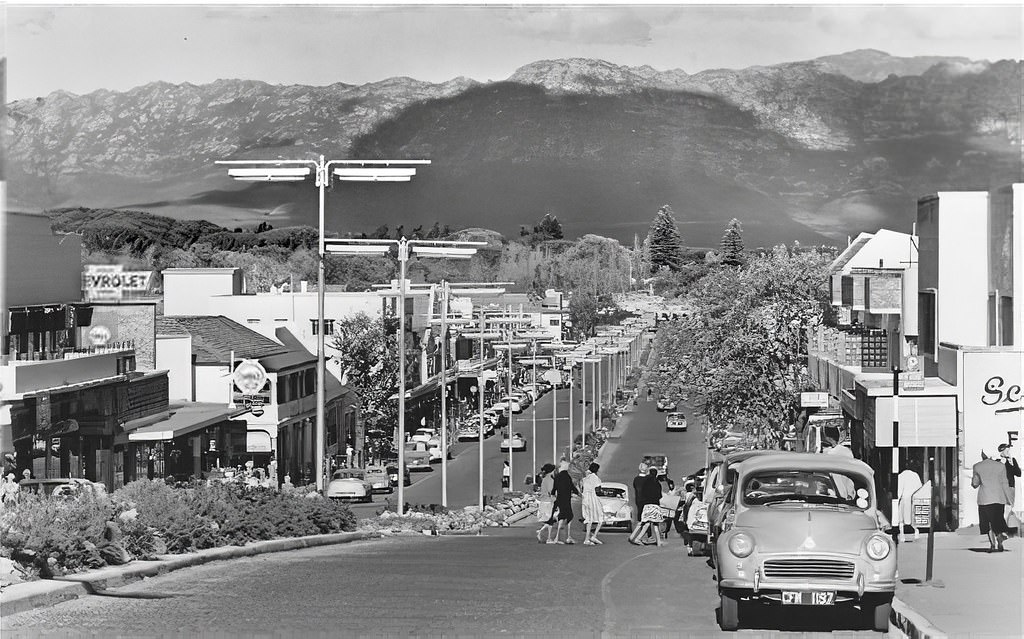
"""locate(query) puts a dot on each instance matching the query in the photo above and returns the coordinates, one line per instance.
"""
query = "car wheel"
(729, 611)
(698, 548)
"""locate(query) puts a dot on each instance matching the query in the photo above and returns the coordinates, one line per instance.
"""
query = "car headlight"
(741, 544)
(878, 547)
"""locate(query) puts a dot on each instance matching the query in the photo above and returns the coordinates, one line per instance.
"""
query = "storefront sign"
(924, 421)
(993, 402)
(814, 400)
(112, 282)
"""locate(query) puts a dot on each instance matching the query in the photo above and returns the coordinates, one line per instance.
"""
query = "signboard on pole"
(922, 501)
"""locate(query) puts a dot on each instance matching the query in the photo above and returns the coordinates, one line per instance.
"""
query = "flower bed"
(52, 536)
(442, 521)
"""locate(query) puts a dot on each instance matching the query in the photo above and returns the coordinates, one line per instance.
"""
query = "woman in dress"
(546, 505)
(564, 489)
(593, 513)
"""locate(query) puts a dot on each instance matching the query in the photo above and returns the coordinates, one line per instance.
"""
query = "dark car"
(393, 475)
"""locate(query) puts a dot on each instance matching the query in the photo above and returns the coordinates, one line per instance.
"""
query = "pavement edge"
(905, 622)
(48, 592)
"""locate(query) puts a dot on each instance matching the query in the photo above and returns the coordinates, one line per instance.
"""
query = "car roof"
(805, 461)
(613, 484)
(740, 455)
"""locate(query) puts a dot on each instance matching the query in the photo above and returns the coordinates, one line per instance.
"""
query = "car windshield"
(609, 491)
(348, 474)
(808, 486)
(654, 460)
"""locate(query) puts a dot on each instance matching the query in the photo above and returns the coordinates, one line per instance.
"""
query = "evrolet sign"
(249, 376)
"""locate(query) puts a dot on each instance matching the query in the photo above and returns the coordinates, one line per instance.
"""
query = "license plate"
(791, 598)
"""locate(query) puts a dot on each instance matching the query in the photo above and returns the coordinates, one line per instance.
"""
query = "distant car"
(417, 456)
(804, 530)
(423, 435)
(378, 478)
(349, 484)
(393, 476)
(658, 461)
(62, 486)
(614, 499)
(664, 403)
(517, 443)
(675, 421)
(468, 433)
(507, 401)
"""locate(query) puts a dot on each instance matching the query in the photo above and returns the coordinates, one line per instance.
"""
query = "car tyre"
(698, 548)
(729, 611)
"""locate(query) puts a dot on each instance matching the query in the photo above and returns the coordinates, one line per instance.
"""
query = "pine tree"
(665, 243)
(732, 244)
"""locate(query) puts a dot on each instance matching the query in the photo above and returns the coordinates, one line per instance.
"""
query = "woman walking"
(650, 516)
(593, 512)
(546, 504)
(563, 490)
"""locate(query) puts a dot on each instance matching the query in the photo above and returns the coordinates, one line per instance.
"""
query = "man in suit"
(994, 493)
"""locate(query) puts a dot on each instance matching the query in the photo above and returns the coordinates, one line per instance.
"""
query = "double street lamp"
(324, 172)
(406, 247)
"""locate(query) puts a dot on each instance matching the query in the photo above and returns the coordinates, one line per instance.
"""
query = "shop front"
(990, 384)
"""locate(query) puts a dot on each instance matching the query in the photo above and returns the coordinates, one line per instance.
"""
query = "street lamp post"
(346, 171)
(406, 247)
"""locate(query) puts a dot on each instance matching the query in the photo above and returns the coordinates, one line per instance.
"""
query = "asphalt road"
(499, 583)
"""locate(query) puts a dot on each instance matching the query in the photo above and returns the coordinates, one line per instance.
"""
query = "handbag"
(652, 513)
(545, 509)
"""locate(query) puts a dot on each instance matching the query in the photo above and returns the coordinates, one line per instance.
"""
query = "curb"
(48, 592)
(905, 622)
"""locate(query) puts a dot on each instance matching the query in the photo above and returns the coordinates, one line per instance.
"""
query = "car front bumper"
(748, 576)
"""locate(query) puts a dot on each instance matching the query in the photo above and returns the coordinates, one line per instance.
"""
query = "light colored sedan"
(417, 456)
(378, 478)
(517, 443)
(804, 530)
(615, 504)
(349, 484)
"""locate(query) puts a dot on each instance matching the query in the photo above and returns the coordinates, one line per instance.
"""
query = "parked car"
(618, 511)
(468, 433)
(417, 456)
(349, 484)
(675, 421)
(393, 475)
(805, 530)
(508, 401)
(658, 461)
(718, 492)
(517, 443)
(664, 403)
(62, 486)
(378, 478)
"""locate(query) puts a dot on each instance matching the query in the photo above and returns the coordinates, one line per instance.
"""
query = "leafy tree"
(732, 244)
(741, 350)
(583, 314)
(665, 245)
(368, 354)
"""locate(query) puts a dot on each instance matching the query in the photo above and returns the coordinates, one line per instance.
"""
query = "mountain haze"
(811, 150)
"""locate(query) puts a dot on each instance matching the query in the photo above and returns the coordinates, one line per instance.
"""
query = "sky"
(83, 48)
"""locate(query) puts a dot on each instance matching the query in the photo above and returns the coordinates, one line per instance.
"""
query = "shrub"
(53, 536)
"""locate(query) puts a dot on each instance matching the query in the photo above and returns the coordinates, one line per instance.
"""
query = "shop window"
(282, 389)
(310, 385)
(328, 326)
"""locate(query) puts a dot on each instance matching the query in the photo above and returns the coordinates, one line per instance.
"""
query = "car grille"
(808, 569)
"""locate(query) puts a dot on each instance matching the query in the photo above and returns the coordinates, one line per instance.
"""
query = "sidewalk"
(972, 593)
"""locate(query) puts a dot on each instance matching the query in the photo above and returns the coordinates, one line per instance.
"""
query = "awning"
(258, 441)
(183, 419)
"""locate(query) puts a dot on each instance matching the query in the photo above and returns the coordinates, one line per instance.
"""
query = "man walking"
(638, 483)
(994, 494)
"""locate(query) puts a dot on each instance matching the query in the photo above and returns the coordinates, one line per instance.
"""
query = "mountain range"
(812, 150)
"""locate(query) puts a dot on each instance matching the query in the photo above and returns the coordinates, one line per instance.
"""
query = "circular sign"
(249, 377)
(256, 411)
(99, 335)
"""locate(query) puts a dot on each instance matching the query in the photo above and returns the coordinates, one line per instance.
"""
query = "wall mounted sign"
(112, 282)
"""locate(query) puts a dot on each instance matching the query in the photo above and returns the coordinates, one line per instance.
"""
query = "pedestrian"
(593, 511)
(8, 487)
(506, 477)
(994, 494)
(26, 474)
(563, 490)
(1012, 467)
(650, 516)
(650, 393)
(688, 498)
(546, 504)
(908, 482)
(638, 483)
(349, 453)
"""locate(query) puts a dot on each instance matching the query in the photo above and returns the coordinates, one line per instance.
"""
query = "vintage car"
(615, 504)
(63, 486)
(506, 402)
(393, 476)
(468, 432)
(675, 421)
(349, 484)
(718, 491)
(804, 529)
(658, 461)
(665, 403)
(423, 435)
(378, 478)
(417, 456)
(517, 443)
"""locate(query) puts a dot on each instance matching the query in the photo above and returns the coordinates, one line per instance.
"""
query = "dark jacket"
(638, 489)
(564, 487)
(650, 491)
(1012, 470)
